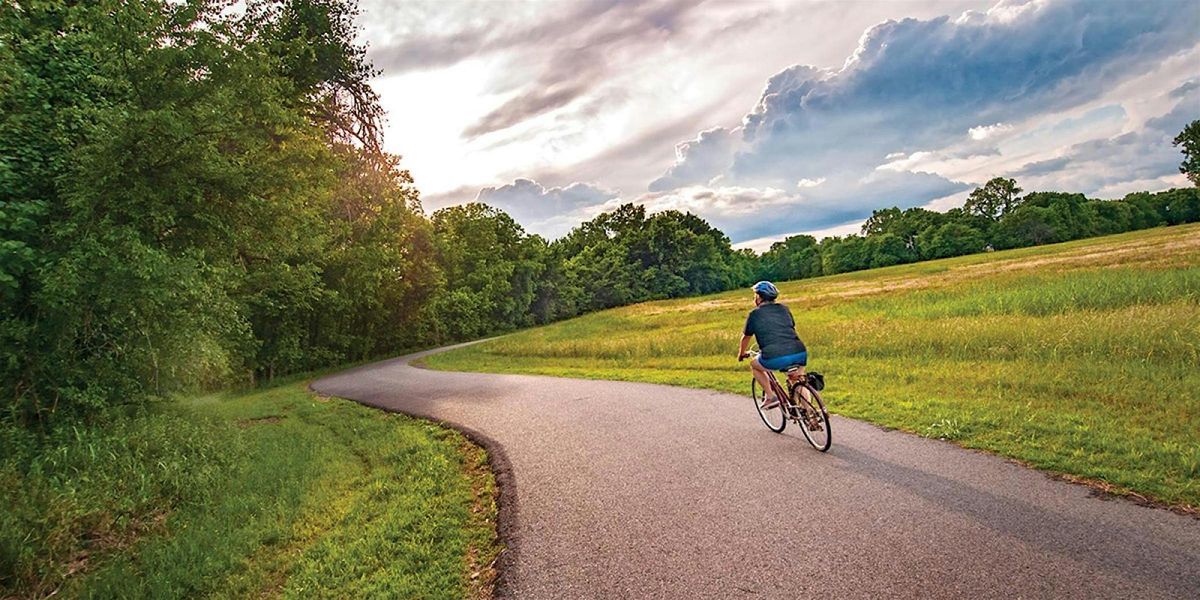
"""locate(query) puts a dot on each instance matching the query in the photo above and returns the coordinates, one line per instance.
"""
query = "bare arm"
(742, 347)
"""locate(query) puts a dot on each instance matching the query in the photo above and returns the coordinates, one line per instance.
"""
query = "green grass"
(269, 493)
(1079, 358)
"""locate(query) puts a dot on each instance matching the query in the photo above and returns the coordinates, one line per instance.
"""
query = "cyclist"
(772, 326)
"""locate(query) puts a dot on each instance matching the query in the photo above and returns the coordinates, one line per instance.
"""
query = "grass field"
(1079, 358)
(274, 493)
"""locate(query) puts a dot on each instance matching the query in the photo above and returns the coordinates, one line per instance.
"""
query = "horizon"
(772, 119)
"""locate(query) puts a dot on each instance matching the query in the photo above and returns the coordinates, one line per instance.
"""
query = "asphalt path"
(630, 490)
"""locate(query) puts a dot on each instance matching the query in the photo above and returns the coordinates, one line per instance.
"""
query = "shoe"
(770, 403)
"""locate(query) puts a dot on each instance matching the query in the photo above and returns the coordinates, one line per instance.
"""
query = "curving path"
(629, 490)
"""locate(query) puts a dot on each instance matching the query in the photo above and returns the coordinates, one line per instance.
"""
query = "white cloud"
(810, 183)
(984, 132)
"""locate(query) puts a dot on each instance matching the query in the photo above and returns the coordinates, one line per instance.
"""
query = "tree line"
(193, 195)
(995, 217)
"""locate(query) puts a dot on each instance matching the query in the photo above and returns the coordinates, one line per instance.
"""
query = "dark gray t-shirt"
(773, 328)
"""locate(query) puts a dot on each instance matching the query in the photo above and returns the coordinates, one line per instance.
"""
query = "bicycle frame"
(785, 395)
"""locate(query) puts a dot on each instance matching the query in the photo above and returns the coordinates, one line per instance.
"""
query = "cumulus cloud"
(696, 160)
(550, 212)
(900, 104)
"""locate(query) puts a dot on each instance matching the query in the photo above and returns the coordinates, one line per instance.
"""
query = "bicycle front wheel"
(815, 425)
(773, 418)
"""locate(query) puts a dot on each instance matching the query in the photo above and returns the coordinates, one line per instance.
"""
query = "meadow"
(270, 493)
(1078, 358)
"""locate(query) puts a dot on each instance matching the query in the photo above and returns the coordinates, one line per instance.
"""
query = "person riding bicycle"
(772, 326)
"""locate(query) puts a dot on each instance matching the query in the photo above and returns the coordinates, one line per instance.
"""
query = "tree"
(1030, 225)
(1189, 142)
(1074, 215)
(881, 221)
(888, 249)
(795, 257)
(995, 199)
(951, 239)
(490, 268)
(191, 196)
(843, 254)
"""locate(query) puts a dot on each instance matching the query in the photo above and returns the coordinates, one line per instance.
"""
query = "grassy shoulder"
(269, 493)
(1079, 358)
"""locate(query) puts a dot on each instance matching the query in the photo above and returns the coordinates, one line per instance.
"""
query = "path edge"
(498, 463)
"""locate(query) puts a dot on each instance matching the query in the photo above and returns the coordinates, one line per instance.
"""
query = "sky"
(770, 118)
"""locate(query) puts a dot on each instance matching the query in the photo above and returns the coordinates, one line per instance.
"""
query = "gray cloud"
(1042, 167)
(1147, 154)
(416, 52)
(549, 212)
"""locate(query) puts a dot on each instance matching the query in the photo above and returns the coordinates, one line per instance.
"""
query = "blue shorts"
(780, 363)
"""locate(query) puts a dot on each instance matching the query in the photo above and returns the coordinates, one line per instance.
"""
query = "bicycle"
(811, 417)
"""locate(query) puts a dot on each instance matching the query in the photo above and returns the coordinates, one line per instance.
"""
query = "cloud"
(697, 159)
(550, 212)
(1042, 167)
(1107, 167)
(575, 54)
(984, 132)
(899, 106)
(745, 212)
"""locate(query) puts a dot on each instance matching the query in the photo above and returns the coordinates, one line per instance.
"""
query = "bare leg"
(763, 378)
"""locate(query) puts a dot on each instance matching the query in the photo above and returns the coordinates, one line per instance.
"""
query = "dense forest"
(194, 196)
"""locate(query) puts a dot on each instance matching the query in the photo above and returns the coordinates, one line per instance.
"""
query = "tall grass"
(268, 493)
(1080, 358)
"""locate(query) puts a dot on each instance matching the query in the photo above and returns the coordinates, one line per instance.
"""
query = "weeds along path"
(634, 490)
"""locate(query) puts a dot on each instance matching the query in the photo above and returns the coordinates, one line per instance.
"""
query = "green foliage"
(995, 199)
(796, 257)
(491, 270)
(182, 205)
(1188, 141)
(244, 495)
(842, 254)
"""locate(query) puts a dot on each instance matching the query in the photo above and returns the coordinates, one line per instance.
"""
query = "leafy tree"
(882, 221)
(490, 268)
(1188, 141)
(888, 249)
(795, 257)
(1074, 216)
(1112, 216)
(843, 254)
(1178, 206)
(951, 239)
(1030, 225)
(995, 199)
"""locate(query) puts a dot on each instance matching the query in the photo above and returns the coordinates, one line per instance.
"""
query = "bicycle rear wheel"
(773, 418)
(816, 424)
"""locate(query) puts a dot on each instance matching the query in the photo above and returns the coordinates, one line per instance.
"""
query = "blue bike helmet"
(766, 289)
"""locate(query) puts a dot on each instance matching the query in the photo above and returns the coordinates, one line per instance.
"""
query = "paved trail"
(626, 490)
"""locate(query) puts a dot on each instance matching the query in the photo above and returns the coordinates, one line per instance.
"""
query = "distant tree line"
(193, 196)
(995, 217)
